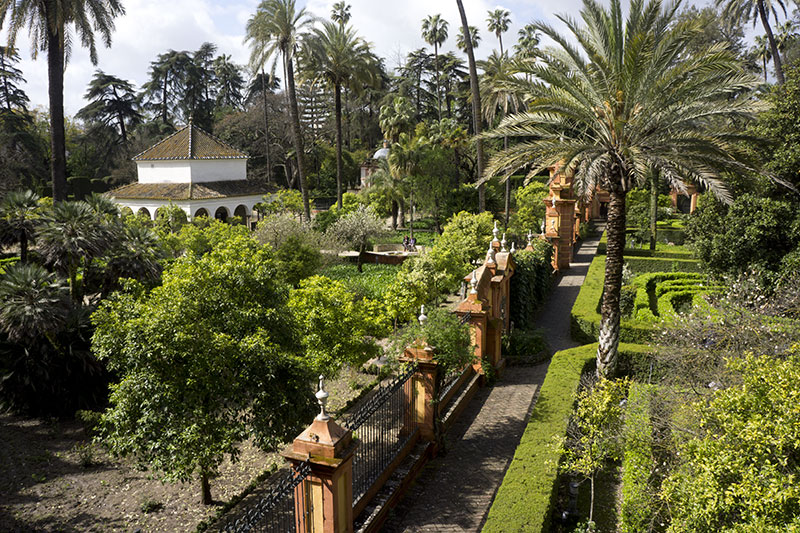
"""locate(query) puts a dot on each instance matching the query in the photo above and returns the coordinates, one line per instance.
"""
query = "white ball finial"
(322, 400)
(495, 232)
(473, 283)
(422, 316)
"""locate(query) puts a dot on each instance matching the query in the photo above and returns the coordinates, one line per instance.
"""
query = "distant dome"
(382, 153)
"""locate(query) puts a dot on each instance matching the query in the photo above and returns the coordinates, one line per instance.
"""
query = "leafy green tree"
(275, 30)
(467, 236)
(434, 31)
(343, 59)
(166, 84)
(530, 207)
(595, 438)
(19, 212)
(332, 325)
(607, 123)
(356, 229)
(474, 37)
(498, 21)
(746, 10)
(111, 99)
(229, 83)
(12, 97)
(48, 24)
(738, 473)
(205, 360)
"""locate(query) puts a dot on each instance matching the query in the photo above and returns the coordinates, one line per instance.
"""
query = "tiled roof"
(190, 191)
(190, 142)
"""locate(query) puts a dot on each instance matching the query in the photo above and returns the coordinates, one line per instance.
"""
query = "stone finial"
(553, 201)
(542, 226)
(513, 247)
(473, 283)
(553, 225)
(490, 255)
(503, 244)
(322, 399)
(422, 316)
(530, 236)
(495, 232)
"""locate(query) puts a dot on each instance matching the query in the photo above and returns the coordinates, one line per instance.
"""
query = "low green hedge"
(525, 499)
(642, 265)
(638, 462)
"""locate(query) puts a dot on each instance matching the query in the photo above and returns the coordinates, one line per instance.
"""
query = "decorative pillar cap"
(490, 255)
(322, 398)
(503, 244)
(422, 316)
(473, 283)
(513, 247)
(495, 232)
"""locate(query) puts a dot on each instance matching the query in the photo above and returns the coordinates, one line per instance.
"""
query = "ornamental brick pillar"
(421, 395)
(325, 497)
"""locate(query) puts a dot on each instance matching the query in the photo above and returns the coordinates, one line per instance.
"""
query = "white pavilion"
(195, 171)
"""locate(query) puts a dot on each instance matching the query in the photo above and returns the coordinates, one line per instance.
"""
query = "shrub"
(373, 282)
(637, 508)
(466, 237)
(525, 346)
(444, 332)
(297, 259)
(531, 282)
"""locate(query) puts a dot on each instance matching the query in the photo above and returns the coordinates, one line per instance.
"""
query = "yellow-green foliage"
(637, 506)
(525, 498)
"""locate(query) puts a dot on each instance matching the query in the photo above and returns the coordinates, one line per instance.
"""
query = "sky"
(151, 27)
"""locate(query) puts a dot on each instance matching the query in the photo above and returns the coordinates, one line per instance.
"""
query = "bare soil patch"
(53, 479)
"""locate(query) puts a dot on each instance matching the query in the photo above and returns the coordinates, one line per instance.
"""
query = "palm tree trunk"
(297, 133)
(266, 127)
(402, 209)
(394, 214)
(776, 57)
(609, 308)
(55, 78)
(508, 189)
(476, 105)
(653, 209)
(23, 247)
(337, 104)
(436, 68)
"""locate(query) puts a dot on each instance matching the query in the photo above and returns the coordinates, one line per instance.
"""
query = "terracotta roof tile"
(188, 191)
(190, 142)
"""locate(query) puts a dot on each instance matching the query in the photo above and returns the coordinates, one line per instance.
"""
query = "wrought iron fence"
(278, 510)
(450, 381)
(383, 425)
(466, 318)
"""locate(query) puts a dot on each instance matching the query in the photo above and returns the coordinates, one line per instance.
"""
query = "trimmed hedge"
(531, 282)
(642, 265)
(526, 498)
(638, 462)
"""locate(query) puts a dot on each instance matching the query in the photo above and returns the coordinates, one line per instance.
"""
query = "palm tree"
(258, 88)
(625, 101)
(135, 255)
(33, 302)
(275, 30)
(70, 233)
(405, 160)
(762, 52)
(111, 99)
(342, 59)
(47, 22)
(396, 118)
(434, 31)
(473, 35)
(498, 21)
(340, 13)
(755, 10)
(476, 108)
(527, 42)
(499, 93)
(18, 220)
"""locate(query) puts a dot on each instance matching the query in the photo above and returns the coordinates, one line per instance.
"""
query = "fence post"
(326, 494)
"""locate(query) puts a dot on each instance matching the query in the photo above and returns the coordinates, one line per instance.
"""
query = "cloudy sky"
(151, 27)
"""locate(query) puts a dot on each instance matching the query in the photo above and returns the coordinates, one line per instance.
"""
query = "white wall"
(190, 208)
(196, 171)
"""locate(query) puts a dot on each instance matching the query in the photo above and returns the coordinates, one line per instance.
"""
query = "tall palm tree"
(473, 35)
(396, 118)
(500, 93)
(476, 108)
(343, 59)
(18, 220)
(405, 160)
(340, 13)
(48, 24)
(527, 42)
(622, 102)
(763, 52)
(275, 31)
(755, 10)
(434, 31)
(498, 21)
(111, 99)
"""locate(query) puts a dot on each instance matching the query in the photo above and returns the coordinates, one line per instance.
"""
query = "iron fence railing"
(450, 381)
(278, 510)
(466, 318)
(383, 426)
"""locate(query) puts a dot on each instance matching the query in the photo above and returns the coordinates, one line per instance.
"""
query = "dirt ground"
(53, 479)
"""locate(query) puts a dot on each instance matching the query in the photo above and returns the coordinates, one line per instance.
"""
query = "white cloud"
(151, 27)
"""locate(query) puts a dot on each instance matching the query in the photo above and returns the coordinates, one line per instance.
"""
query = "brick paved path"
(454, 491)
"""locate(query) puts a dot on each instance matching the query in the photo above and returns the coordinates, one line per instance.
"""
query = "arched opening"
(221, 213)
(159, 212)
(201, 213)
(126, 212)
(143, 211)
(240, 214)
